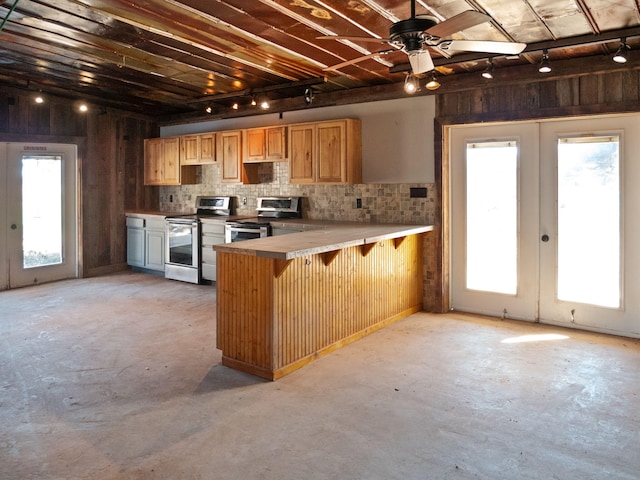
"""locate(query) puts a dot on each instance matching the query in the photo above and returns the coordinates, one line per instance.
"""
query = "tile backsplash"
(381, 203)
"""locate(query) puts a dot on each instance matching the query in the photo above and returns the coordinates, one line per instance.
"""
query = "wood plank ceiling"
(170, 57)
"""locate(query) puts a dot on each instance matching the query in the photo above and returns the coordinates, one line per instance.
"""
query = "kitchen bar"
(284, 301)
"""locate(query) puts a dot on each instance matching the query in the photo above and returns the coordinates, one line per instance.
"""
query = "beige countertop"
(325, 238)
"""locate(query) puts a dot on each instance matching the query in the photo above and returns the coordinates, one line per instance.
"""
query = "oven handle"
(233, 228)
(182, 221)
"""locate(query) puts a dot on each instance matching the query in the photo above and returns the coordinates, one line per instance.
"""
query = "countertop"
(325, 238)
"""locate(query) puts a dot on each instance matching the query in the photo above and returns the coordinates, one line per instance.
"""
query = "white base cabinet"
(145, 241)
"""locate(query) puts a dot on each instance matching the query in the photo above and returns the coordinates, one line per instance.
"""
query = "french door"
(38, 216)
(543, 225)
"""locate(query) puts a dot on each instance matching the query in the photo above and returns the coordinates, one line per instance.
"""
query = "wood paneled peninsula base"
(286, 300)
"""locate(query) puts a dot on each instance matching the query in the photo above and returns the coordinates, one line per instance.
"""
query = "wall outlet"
(170, 198)
(244, 200)
(358, 203)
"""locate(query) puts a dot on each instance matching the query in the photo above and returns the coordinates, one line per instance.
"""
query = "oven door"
(237, 233)
(182, 243)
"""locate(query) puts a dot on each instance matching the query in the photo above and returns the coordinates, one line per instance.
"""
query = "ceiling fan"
(415, 35)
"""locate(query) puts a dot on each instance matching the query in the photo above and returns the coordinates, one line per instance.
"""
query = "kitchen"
(190, 403)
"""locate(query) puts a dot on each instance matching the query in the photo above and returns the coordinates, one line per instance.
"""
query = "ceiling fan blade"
(354, 39)
(505, 48)
(420, 61)
(457, 23)
(356, 60)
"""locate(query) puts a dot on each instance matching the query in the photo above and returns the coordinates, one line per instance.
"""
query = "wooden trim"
(367, 247)
(279, 267)
(329, 257)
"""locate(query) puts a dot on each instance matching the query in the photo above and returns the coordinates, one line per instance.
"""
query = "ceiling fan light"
(488, 72)
(411, 84)
(621, 55)
(545, 65)
(433, 83)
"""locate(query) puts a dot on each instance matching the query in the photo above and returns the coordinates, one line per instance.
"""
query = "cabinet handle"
(13, 226)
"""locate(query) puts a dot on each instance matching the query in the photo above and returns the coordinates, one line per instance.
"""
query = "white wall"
(397, 135)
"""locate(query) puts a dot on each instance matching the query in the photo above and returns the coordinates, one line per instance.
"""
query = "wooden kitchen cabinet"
(265, 144)
(229, 152)
(198, 149)
(162, 163)
(326, 152)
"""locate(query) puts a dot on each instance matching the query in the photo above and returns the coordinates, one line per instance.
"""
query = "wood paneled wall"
(596, 93)
(110, 157)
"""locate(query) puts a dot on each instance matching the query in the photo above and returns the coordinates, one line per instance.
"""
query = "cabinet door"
(171, 161)
(154, 251)
(207, 148)
(332, 152)
(189, 148)
(275, 143)
(301, 152)
(153, 161)
(230, 155)
(255, 144)
(135, 247)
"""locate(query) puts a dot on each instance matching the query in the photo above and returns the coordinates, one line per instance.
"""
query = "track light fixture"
(208, 109)
(545, 65)
(264, 104)
(488, 72)
(433, 83)
(411, 84)
(621, 55)
(308, 96)
(253, 101)
(235, 105)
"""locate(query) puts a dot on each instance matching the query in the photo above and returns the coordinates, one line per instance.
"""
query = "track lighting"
(433, 83)
(253, 101)
(308, 96)
(235, 106)
(264, 104)
(621, 55)
(83, 108)
(39, 99)
(411, 84)
(208, 109)
(545, 65)
(488, 72)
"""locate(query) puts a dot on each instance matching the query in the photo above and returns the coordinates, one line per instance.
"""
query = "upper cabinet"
(229, 152)
(162, 163)
(198, 149)
(326, 152)
(266, 144)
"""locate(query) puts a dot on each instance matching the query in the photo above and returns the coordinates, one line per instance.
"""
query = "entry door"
(494, 220)
(557, 241)
(39, 229)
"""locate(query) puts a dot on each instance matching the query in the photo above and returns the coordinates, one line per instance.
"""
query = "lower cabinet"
(145, 242)
(212, 234)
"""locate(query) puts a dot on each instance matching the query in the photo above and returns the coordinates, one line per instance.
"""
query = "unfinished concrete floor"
(118, 377)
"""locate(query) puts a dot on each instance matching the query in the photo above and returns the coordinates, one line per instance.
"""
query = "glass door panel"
(42, 209)
(492, 206)
(589, 193)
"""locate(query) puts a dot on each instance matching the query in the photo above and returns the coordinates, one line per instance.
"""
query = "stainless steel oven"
(183, 238)
(239, 230)
(182, 249)
(259, 226)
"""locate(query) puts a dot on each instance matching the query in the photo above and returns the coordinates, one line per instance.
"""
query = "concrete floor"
(118, 377)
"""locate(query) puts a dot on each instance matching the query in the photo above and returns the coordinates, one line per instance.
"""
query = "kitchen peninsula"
(284, 301)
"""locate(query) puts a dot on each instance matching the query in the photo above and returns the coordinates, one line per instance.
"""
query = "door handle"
(545, 238)
(13, 226)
